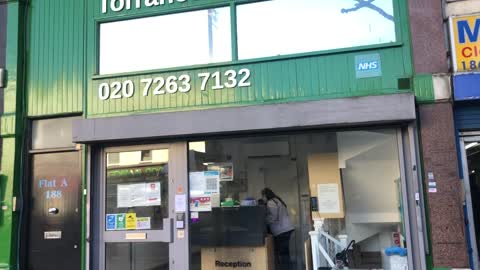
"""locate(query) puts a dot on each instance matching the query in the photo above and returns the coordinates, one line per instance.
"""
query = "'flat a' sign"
(465, 34)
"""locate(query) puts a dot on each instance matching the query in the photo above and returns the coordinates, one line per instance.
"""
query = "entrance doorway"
(142, 206)
(53, 198)
(54, 226)
(470, 151)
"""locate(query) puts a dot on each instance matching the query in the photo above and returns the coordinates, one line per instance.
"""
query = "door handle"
(170, 229)
(53, 210)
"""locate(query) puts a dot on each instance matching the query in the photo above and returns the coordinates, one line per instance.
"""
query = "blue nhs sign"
(368, 65)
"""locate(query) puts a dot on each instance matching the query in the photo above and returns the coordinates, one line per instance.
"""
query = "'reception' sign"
(465, 34)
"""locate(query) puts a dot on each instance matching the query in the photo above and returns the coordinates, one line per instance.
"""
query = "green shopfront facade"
(108, 101)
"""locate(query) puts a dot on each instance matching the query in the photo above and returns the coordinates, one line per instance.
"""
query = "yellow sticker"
(181, 234)
(131, 221)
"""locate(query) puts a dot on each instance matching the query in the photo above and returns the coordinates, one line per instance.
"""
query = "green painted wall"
(311, 76)
(12, 134)
(63, 58)
(56, 57)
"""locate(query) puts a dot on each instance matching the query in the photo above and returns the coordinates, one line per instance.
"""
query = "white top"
(277, 217)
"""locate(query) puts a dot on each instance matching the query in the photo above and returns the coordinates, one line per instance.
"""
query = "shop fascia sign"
(465, 39)
(120, 5)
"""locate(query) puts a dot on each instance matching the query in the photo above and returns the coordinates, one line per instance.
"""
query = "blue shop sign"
(466, 87)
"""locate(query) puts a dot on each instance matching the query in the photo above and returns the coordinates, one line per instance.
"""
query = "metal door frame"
(468, 196)
(178, 185)
(412, 193)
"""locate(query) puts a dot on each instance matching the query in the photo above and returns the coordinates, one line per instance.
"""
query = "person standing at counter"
(280, 226)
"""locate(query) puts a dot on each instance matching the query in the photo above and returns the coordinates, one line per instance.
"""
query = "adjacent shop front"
(467, 119)
(192, 108)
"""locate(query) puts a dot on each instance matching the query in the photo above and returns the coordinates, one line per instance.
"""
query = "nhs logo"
(371, 65)
(368, 65)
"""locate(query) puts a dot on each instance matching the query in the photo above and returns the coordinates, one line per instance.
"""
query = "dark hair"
(271, 195)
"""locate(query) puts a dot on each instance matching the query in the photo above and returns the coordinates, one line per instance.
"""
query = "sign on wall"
(465, 33)
(368, 65)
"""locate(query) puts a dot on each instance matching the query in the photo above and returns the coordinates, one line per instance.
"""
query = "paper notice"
(153, 194)
(212, 182)
(328, 199)
(143, 223)
(141, 194)
(123, 196)
(197, 183)
(180, 203)
(131, 221)
(200, 204)
(202, 183)
(137, 194)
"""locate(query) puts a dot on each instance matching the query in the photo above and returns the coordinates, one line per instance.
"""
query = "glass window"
(189, 38)
(132, 256)
(259, 197)
(281, 27)
(136, 190)
(52, 133)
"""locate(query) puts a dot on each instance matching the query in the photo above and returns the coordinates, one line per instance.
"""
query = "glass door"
(143, 207)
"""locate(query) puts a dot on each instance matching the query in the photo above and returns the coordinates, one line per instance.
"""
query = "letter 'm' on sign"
(464, 29)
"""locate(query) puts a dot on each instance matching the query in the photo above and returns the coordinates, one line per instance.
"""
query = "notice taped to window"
(207, 182)
(328, 199)
(201, 204)
(141, 194)
(131, 221)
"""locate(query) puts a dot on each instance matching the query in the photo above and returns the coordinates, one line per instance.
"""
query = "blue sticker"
(212, 173)
(111, 222)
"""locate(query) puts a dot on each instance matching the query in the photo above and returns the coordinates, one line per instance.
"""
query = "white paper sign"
(207, 182)
(180, 203)
(328, 199)
(123, 196)
(137, 194)
(152, 194)
(141, 194)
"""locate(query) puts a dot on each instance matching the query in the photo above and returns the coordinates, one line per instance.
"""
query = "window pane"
(348, 183)
(281, 27)
(189, 38)
(139, 187)
(135, 256)
(43, 132)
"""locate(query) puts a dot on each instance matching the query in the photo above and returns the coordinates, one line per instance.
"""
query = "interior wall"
(369, 165)
(372, 189)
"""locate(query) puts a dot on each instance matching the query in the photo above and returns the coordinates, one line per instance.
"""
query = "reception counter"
(255, 258)
(233, 237)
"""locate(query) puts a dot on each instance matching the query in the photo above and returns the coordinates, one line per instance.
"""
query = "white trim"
(452, 44)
